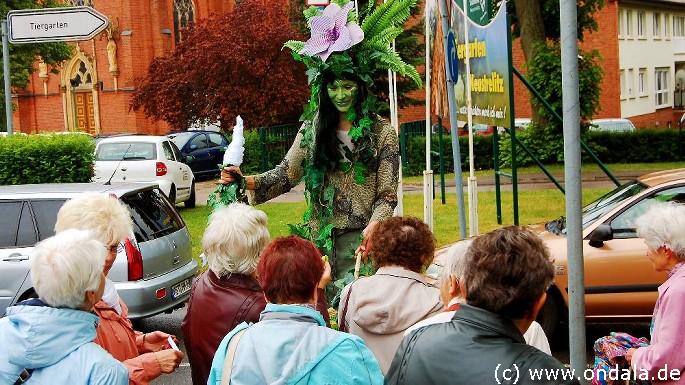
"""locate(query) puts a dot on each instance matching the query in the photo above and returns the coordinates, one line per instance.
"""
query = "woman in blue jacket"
(291, 344)
(50, 340)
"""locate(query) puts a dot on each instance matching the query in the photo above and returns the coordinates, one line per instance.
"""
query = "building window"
(657, 24)
(678, 26)
(82, 78)
(629, 23)
(642, 82)
(184, 17)
(661, 86)
(641, 22)
(667, 26)
(621, 23)
(630, 83)
(623, 84)
(80, 3)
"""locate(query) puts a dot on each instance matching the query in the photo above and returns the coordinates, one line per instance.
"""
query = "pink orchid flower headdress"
(331, 32)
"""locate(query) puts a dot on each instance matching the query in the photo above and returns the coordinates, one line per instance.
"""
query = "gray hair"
(663, 224)
(105, 216)
(455, 262)
(65, 266)
(234, 238)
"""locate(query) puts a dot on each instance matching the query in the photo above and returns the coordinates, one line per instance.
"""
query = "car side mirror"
(602, 233)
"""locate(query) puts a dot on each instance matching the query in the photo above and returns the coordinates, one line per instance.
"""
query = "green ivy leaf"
(355, 133)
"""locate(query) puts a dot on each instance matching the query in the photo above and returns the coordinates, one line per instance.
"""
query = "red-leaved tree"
(227, 66)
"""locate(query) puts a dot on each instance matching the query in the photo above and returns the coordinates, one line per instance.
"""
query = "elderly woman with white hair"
(49, 340)
(146, 356)
(663, 229)
(451, 295)
(228, 294)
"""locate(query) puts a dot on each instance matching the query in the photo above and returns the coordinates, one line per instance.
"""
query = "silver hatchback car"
(154, 268)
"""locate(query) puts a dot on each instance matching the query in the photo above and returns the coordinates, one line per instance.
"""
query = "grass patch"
(534, 206)
(557, 170)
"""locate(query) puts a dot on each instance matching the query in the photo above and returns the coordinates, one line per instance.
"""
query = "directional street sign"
(54, 24)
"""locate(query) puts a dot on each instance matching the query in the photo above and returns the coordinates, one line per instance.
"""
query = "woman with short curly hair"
(381, 307)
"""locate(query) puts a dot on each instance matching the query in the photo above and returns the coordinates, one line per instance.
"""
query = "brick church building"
(92, 90)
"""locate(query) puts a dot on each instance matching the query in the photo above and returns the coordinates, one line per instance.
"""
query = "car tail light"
(160, 293)
(135, 261)
(161, 169)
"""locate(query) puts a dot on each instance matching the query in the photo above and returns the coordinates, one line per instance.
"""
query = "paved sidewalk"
(485, 183)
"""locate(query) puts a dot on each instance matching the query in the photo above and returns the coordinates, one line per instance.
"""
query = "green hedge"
(415, 161)
(644, 146)
(46, 158)
(641, 146)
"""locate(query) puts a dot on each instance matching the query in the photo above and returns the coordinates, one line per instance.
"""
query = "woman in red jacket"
(227, 294)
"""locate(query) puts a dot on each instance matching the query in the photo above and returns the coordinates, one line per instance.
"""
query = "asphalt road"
(171, 323)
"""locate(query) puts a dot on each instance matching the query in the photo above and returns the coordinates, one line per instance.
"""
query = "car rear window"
(153, 216)
(45, 212)
(180, 139)
(126, 151)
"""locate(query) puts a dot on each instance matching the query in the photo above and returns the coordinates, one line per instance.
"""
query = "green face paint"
(343, 94)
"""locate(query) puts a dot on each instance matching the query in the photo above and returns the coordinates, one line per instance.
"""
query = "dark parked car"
(203, 150)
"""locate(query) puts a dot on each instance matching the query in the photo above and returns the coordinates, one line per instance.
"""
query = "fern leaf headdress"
(341, 45)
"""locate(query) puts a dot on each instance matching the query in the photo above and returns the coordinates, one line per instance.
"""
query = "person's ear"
(89, 300)
(462, 288)
(454, 287)
(537, 306)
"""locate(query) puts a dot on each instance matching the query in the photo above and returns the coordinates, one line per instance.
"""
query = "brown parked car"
(620, 282)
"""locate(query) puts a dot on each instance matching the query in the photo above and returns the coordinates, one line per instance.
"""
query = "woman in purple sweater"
(663, 229)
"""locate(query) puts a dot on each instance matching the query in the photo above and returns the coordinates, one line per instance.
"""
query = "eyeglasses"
(113, 248)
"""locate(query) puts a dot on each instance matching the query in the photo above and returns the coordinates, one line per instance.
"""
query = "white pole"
(472, 184)
(6, 76)
(392, 89)
(428, 172)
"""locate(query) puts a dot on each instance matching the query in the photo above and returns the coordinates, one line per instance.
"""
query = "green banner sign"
(479, 10)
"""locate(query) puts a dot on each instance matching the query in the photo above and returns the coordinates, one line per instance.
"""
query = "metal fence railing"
(274, 143)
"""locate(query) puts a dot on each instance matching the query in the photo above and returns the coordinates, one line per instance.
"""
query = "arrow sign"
(54, 24)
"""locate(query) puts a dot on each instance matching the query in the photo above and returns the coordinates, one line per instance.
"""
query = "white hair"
(107, 218)
(663, 224)
(65, 266)
(234, 238)
(455, 263)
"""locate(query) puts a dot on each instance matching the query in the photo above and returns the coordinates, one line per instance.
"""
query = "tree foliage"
(23, 56)
(536, 23)
(227, 66)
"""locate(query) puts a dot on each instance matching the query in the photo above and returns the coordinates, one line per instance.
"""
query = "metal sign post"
(574, 230)
(6, 77)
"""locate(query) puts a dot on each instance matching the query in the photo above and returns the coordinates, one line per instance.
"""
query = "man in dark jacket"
(505, 281)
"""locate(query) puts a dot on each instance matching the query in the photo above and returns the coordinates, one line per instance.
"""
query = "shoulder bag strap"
(230, 355)
(342, 322)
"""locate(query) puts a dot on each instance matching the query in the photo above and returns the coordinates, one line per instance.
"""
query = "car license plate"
(180, 288)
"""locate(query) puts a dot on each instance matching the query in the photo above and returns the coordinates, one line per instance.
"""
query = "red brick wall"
(659, 119)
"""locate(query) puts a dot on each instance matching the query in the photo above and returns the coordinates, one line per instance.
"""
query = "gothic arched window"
(80, 3)
(81, 77)
(184, 16)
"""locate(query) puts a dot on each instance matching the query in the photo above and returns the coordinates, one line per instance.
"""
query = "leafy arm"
(283, 177)
(387, 175)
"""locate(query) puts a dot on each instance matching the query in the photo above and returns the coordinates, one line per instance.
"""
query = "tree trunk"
(532, 29)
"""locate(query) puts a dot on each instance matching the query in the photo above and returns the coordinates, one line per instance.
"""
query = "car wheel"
(190, 203)
(550, 315)
(172, 195)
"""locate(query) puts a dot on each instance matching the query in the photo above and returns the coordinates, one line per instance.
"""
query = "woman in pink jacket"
(146, 356)
(663, 360)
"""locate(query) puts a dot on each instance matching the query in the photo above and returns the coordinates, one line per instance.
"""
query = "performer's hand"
(365, 245)
(228, 174)
(156, 341)
(326, 277)
(629, 355)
